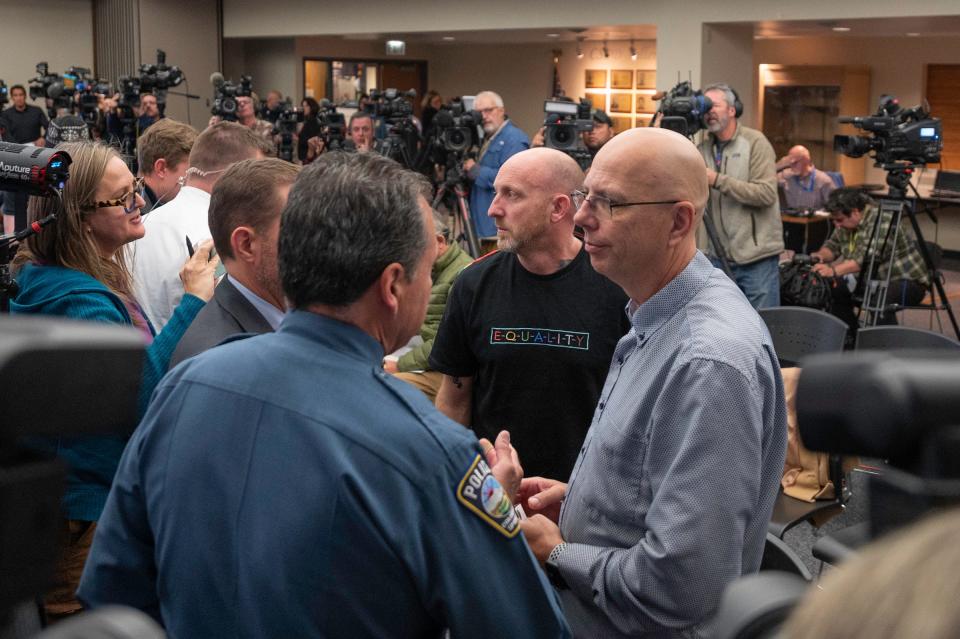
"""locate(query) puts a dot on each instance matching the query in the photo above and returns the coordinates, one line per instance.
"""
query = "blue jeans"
(759, 281)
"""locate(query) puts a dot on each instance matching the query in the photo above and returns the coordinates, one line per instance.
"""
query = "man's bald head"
(800, 162)
(656, 164)
(548, 169)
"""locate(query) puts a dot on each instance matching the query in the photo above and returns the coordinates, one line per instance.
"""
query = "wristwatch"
(553, 570)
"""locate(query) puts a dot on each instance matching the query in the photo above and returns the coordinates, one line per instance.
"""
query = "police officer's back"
(284, 485)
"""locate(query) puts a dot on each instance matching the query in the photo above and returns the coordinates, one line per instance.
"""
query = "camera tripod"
(455, 183)
(875, 288)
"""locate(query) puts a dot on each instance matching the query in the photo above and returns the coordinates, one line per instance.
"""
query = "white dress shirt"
(157, 257)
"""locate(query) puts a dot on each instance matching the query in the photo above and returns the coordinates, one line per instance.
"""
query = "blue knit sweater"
(54, 290)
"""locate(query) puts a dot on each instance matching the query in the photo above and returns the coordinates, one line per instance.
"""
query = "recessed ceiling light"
(841, 29)
(449, 38)
(553, 35)
(912, 34)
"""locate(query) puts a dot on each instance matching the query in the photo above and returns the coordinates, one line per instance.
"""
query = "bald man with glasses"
(528, 331)
(672, 491)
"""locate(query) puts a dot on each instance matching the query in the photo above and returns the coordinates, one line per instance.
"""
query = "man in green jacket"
(413, 366)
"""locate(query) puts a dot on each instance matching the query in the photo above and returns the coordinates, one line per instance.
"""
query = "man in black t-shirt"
(24, 124)
(529, 331)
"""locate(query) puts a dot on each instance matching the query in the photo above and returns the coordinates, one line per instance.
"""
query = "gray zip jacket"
(744, 203)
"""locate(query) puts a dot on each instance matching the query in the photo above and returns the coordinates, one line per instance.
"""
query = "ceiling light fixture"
(633, 51)
(606, 51)
(449, 38)
(553, 35)
(912, 34)
(579, 47)
(841, 29)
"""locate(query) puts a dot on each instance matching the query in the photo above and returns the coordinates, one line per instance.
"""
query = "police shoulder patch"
(483, 495)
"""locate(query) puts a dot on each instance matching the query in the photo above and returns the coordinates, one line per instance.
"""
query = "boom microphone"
(216, 79)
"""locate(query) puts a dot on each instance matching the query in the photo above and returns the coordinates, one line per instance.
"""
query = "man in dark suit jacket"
(244, 219)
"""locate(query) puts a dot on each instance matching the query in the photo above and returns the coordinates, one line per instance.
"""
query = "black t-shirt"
(537, 347)
(23, 127)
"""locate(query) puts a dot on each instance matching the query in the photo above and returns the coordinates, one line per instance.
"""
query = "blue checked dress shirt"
(670, 497)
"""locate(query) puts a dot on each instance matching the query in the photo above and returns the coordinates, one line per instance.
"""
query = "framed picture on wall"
(621, 103)
(622, 123)
(621, 79)
(598, 100)
(642, 120)
(595, 78)
(646, 79)
(645, 103)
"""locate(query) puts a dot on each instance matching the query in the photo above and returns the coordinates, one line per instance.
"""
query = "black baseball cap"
(599, 115)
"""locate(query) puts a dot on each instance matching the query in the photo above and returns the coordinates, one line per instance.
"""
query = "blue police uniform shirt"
(508, 142)
(284, 485)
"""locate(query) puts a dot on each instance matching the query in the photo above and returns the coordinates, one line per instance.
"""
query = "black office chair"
(902, 337)
(777, 555)
(797, 332)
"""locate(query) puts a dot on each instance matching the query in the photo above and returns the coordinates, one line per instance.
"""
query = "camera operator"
(849, 248)
(743, 198)
(594, 139)
(247, 116)
(273, 107)
(362, 130)
(146, 111)
(24, 124)
(501, 140)
(164, 156)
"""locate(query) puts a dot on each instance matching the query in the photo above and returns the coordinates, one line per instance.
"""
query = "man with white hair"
(501, 140)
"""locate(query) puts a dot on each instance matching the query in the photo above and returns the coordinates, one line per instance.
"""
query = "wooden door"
(404, 76)
(943, 93)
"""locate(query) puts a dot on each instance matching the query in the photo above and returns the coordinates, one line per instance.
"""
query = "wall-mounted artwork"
(598, 100)
(646, 79)
(621, 79)
(621, 123)
(646, 103)
(621, 103)
(595, 78)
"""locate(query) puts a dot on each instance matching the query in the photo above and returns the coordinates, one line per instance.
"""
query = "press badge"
(483, 495)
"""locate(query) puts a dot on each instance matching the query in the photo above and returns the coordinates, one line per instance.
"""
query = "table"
(806, 221)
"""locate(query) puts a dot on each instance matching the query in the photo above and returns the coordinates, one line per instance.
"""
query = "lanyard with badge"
(806, 187)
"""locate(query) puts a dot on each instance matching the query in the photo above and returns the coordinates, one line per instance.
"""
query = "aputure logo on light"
(14, 168)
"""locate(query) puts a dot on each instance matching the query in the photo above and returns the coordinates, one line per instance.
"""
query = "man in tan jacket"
(741, 172)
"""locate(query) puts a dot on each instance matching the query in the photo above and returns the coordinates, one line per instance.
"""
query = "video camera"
(4, 94)
(456, 128)
(42, 81)
(900, 136)
(563, 125)
(286, 127)
(226, 93)
(333, 126)
(683, 109)
(390, 104)
(157, 78)
(402, 142)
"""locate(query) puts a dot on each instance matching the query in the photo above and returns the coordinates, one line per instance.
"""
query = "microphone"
(216, 79)
(55, 90)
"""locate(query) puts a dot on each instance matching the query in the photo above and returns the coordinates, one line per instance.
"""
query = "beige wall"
(59, 32)
(728, 58)
(679, 25)
(187, 31)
